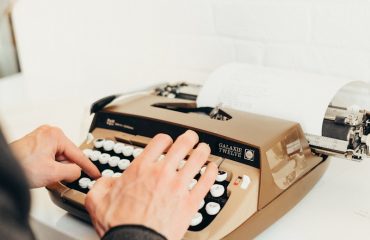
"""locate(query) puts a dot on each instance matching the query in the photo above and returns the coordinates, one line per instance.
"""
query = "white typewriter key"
(113, 161)
(171, 95)
(104, 158)
(217, 190)
(161, 157)
(98, 143)
(192, 184)
(87, 152)
(137, 152)
(221, 176)
(117, 174)
(84, 182)
(202, 170)
(198, 218)
(181, 164)
(118, 148)
(108, 145)
(91, 184)
(107, 173)
(123, 164)
(95, 155)
(202, 204)
(212, 208)
(127, 151)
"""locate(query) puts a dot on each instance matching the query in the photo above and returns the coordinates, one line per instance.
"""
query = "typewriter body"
(266, 164)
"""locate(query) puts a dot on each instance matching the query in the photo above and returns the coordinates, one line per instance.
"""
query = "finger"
(68, 172)
(155, 148)
(195, 162)
(204, 184)
(97, 194)
(74, 154)
(182, 146)
(96, 202)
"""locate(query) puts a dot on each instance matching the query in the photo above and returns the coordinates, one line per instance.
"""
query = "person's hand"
(153, 193)
(48, 156)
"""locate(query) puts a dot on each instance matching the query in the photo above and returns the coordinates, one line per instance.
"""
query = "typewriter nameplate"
(220, 146)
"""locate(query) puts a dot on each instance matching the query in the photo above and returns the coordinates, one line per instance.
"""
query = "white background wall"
(90, 48)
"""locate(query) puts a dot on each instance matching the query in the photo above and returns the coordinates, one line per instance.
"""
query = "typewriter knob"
(192, 184)
(203, 170)
(113, 161)
(202, 204)
(212, 208)
(87, 152)
(197, 219)
(123, 164)
(117, 174)
(181, 164)
(84, 182)
(118, 148)
(127, 151)
(217, 190)
(108, 145)
(221, 176)
(137, 152)
(104, 158)
(91, 184)
(98, 143)
(107, 173)
(95, 155)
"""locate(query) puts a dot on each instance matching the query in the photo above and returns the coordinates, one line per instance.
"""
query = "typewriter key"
(84, 182)
(98, 143)
(123, 164)
(161, 157)
(107, 173)
(181, 164)
(91, 184)
(137, 152)
(87, 152)
(217, 190)
(113, 161)
(117, 174)
(95, 155)
(221, 176)
(118, 148)
(108, 145)
(127, 151)
(192, 184)
(171, 95)
(197, 219)
(104, 158)
(203, 170)
(213, 208)
(202, 204)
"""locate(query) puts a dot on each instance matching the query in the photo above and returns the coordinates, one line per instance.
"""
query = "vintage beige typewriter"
(266, 165)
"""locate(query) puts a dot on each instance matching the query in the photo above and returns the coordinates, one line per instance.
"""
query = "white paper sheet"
(295, 96)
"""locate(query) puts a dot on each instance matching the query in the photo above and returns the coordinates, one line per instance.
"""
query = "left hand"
(48, 156)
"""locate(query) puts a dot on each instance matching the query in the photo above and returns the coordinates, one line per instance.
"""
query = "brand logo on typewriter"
(110, 122)
(248, 154)
(230, 150)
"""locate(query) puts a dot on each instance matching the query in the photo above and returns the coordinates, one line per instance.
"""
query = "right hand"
(153, 193)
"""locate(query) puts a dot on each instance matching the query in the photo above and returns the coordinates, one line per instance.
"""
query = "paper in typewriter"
(294, 96)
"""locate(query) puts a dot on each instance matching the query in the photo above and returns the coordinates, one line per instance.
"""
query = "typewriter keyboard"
(113, 158)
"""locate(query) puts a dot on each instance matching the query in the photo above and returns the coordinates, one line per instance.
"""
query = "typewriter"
(266, 165)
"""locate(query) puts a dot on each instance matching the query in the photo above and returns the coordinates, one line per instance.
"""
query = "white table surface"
(337, 208)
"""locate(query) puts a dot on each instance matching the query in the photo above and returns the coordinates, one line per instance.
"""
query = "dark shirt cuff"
(132, 232)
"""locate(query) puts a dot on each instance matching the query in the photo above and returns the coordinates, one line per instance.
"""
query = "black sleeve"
(14, 197)
(132, 232)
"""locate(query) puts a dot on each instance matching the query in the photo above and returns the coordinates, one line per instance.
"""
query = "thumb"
(68, 172)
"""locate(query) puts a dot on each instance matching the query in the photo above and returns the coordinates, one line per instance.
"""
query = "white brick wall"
(113, 45)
